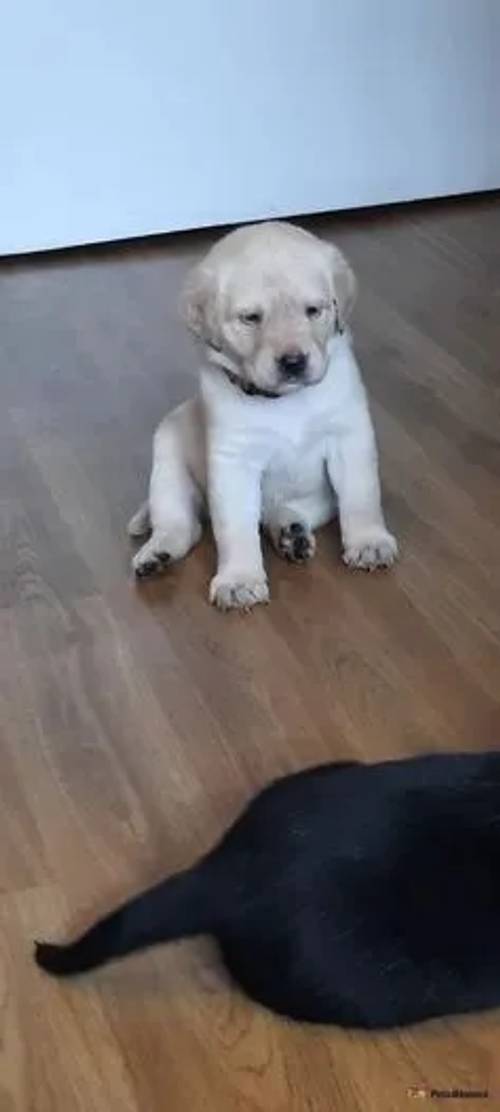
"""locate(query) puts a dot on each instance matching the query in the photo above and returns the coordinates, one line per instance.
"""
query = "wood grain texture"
(135, 722)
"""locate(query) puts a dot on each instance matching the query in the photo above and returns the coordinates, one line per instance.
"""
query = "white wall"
(120, 117)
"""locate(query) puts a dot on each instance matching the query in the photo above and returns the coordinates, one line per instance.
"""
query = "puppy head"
(266, 300)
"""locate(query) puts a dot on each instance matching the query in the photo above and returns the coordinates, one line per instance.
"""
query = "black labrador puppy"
(362, 895)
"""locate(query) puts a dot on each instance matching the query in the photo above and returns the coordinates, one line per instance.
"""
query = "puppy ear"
(344, 286)
(198, 303)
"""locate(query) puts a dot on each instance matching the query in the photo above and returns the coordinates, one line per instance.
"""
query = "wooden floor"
(136, 721)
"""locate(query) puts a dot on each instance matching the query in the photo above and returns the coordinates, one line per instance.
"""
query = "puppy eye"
(313, 311)
(251, 318)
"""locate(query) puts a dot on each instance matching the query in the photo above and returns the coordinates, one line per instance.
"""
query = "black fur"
(363, 895)
(296, 543)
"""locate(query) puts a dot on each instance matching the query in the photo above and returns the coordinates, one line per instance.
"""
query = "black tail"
(183, 905)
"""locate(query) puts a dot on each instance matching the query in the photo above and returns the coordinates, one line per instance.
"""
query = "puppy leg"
(174, 508)
(353, 469)
(235, 510)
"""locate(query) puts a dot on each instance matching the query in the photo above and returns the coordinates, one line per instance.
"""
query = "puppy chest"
(298, 470)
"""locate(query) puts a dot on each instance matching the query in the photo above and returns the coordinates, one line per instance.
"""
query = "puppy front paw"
(238, 592)
(152, 559)
(375, 549)
(148, 563)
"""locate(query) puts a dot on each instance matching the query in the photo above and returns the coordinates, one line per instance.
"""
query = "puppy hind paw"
(296, 543)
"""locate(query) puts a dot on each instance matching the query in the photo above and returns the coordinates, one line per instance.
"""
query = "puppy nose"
(292, 364)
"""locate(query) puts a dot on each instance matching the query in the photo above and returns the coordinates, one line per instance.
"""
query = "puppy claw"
(154, 564)
(371, 553)
(238, 594)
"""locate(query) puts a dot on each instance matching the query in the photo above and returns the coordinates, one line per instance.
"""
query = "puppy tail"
(140, 523)
(183, 905)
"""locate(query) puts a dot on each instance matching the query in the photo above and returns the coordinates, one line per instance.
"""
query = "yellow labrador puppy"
(280, 434)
